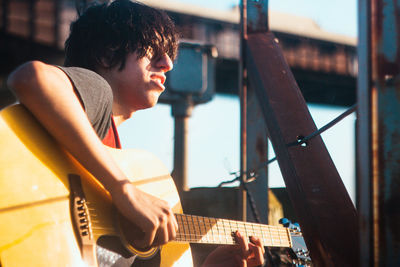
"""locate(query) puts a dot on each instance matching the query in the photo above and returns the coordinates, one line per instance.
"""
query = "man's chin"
(151, 102)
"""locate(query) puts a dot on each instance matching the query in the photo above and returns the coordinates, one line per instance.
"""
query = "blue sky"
(214, 140)
(214, 127)
(338, 16)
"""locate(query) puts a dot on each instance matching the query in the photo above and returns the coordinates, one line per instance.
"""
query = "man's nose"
(165, 63)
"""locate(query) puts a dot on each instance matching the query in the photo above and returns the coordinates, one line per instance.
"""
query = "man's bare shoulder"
(35, 72)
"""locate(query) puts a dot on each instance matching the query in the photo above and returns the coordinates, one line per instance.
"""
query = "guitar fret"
(218, 233)
(214, 233)
(202, 228)
(194, 226)
(271, 237)
(261, 234)
(243, 229)
(206, 226)
(226, 239)
(226, 234)
(221, 231)
(227, 231)
(191, 229)
(217, 236)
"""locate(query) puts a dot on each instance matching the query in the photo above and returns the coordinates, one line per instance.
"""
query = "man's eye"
(156, 57)
(149, 54)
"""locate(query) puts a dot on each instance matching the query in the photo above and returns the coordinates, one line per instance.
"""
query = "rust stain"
(260, 148)
(260, 21)
(386, 37)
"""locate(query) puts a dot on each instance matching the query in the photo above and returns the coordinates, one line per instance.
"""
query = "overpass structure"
(324, 64)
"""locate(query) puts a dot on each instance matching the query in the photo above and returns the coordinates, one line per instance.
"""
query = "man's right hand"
(152, 215)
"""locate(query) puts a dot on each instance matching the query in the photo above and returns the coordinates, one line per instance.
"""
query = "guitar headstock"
(298, 252)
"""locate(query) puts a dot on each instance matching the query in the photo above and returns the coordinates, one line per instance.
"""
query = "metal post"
(181, 112)
(243, 108)
(378, 155)
(191, 82)
(254, 142)
(363, 152)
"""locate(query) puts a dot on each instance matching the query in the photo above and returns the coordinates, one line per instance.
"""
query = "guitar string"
(199, 221)
(248, 224)
(273, 239)
(214, 231)
(227, 239)
(215, 225)
(245, 226)
(202, 237)
(219, 232)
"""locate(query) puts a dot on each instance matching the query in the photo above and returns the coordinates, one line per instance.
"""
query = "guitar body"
(37, 226)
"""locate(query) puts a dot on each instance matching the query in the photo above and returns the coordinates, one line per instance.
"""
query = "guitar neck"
(198, 229)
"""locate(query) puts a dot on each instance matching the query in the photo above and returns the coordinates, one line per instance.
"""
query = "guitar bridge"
(81, 220)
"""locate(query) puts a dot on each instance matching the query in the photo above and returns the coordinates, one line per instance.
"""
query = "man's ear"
(103, 63)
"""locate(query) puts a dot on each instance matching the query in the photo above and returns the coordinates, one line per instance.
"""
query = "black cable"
(324, 128)
(303, 140)
(229, 182)
(252, 203)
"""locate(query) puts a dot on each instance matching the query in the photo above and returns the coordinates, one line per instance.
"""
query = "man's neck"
(120, 115)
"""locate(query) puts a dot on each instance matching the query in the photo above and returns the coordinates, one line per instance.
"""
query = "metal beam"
(378, 154)
(324, 208)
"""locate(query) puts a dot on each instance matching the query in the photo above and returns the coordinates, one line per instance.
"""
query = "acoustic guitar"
(52, 211)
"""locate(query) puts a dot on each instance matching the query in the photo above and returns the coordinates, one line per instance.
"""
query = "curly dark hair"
(105, 33)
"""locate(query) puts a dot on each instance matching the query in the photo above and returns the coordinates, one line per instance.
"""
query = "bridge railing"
(42, 21)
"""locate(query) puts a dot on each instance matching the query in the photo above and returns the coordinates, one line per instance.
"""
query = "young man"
(116, 58)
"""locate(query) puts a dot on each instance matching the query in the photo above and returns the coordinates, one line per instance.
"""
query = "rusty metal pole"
(378, 142)
(254, 141)
(243, 109)
(363, 140)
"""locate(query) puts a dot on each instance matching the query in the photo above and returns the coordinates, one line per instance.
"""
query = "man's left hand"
(245, 254)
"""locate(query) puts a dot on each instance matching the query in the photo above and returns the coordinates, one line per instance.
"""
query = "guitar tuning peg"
(285, 222)
(296, 227)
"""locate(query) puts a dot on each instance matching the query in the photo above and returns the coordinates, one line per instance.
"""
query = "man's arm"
(48, 93)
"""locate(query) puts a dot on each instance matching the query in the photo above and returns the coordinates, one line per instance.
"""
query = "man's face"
(140, 83)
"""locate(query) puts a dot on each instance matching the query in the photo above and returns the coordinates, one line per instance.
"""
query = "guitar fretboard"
(198, 229)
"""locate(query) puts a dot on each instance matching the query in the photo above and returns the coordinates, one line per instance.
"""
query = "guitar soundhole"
(129, 231)
(113, 243)
(154, 261)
